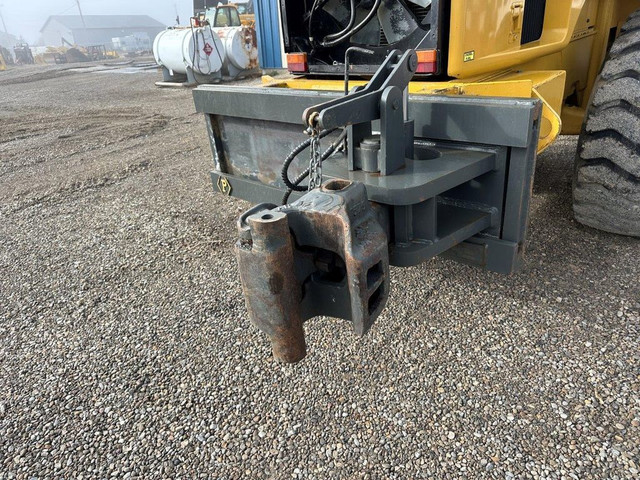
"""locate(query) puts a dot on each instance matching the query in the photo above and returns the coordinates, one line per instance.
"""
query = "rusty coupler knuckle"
(325, 254)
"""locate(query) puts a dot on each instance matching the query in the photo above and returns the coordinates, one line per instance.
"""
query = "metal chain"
(315, 163)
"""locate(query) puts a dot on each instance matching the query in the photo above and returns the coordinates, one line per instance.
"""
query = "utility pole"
(81, 16)
(3, 24)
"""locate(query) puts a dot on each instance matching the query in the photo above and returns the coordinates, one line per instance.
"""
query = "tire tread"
(606, 191)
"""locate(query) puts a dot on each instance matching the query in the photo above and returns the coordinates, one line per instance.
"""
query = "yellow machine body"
(486, 58)
(484, 43)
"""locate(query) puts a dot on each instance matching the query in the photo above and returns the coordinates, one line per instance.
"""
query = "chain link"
(315, 163)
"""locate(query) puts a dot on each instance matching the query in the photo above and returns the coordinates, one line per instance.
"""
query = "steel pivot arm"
(364, 105)
(381, 99)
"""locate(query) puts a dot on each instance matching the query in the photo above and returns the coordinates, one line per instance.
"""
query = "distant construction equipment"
(132, 45)
(23, 54)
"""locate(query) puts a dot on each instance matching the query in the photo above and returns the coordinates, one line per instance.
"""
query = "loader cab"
(223, 16)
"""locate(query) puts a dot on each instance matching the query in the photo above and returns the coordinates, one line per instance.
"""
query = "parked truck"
(410, 130)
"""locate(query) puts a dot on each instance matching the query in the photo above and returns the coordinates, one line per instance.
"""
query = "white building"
(68, 30)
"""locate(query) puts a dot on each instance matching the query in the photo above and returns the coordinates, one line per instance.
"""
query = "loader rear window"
(223, 17)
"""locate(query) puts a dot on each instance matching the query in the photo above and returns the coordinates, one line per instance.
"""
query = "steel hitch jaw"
(325, 254)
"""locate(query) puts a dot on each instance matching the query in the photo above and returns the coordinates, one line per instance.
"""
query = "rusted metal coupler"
(325, 254)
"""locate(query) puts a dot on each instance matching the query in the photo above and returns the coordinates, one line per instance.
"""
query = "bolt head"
(412, 64)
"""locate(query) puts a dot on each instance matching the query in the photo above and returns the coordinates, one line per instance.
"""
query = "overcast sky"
(26, 17)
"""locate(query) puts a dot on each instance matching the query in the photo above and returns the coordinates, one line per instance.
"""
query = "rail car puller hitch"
(420, 176)
(327, 253)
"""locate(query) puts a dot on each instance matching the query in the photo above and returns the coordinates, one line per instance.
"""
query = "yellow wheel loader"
(5, 58)
(410, 129)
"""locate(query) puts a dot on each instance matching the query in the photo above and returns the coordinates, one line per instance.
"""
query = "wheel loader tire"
(606, 183)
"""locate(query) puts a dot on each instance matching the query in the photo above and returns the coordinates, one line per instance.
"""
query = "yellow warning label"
(468, 56)
(224, 186)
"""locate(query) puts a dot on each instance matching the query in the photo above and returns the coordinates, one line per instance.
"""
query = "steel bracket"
(383, 100)
(325, 254)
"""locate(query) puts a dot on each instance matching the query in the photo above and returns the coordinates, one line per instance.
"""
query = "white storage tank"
(196, 53)
(240, 50)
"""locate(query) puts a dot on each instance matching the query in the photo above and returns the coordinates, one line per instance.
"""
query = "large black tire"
(606, 187)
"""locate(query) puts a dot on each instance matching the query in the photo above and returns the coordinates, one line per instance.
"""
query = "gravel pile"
(125, 350)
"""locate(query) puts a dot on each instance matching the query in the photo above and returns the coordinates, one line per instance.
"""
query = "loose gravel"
(125, 349)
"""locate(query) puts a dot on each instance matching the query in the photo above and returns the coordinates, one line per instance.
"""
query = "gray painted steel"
(485, 120)
(465, 193)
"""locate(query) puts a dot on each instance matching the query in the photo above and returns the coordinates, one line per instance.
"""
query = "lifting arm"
(381, 99)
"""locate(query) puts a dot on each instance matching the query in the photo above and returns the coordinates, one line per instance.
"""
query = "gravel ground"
(125, 349)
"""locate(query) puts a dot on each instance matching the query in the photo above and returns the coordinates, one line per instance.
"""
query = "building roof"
(74, 22)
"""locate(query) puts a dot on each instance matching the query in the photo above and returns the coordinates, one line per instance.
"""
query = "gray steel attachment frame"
(464, 194)
(419, 188)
